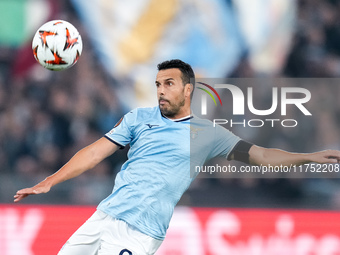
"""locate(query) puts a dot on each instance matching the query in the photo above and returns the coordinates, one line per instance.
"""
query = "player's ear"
(191, 88)
(188, 89)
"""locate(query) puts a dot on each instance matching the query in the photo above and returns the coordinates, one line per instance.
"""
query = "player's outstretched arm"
(275, 157)
(82, 161)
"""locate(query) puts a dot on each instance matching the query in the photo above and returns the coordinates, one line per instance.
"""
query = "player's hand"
(327, 156)
(37, 189)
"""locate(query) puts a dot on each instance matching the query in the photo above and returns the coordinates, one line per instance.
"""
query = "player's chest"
(160, 134)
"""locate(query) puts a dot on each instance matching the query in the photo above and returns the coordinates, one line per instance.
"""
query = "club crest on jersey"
(194, 132)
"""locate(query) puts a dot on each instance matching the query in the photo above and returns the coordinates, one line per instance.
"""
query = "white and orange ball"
(57, 45)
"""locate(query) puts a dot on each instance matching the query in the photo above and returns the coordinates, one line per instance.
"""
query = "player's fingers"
(333, 154)
(28, 191)
(17, 198)
(34, 190)
(332, 160)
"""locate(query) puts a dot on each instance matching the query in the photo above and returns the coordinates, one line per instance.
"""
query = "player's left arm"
(256, 155)
(276, 157)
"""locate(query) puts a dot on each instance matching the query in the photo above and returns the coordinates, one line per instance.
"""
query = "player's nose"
(160, 90)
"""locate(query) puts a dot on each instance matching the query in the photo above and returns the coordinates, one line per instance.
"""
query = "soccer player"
(134, 218)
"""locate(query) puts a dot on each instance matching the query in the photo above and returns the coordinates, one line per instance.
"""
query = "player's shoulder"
(144, 113)
(200, 122)
(208, 126)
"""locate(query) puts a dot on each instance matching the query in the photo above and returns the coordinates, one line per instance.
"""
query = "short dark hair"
(186, 70)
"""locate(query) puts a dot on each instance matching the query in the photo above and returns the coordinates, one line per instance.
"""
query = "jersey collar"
(180, 119)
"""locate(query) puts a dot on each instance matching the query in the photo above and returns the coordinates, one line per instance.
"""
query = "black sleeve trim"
(116, 143)
(241, 151)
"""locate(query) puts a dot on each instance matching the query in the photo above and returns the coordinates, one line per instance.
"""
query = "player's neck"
(183, 113)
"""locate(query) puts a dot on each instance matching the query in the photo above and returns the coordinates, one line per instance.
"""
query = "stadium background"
(45, 117)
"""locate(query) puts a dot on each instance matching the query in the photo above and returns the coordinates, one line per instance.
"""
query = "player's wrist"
(48, 182)
(310, 157)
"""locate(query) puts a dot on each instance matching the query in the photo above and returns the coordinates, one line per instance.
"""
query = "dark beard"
(171, 110)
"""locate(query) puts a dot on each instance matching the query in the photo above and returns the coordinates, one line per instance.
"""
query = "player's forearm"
(78, 164)
(82, 161)
(275, 157)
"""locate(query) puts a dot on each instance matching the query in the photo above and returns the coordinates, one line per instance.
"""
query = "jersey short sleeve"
(224, 142)
(121, 133)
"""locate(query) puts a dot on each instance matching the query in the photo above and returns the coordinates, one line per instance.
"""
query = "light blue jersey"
(157, 171)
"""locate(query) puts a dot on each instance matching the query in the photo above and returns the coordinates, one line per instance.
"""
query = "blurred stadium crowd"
(45, 117)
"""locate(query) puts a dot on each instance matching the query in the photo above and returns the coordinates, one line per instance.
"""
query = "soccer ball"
(57, 45)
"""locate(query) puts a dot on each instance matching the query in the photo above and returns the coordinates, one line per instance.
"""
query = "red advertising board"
(37, 230)
(41, 230)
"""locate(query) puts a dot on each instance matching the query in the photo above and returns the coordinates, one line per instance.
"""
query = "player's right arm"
(82, 161)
